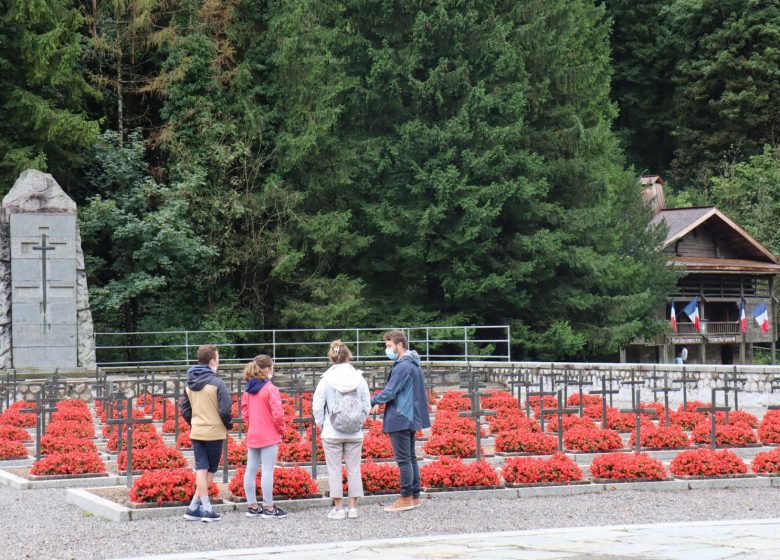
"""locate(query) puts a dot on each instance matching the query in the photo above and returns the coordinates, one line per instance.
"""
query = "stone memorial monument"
(45, 320)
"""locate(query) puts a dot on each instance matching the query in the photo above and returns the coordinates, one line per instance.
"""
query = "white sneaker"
(352, 513)
(337, 513)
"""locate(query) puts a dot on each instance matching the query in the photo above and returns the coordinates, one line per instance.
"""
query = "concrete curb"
(14, 481)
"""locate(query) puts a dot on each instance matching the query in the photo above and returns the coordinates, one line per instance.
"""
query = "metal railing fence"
(451, 343)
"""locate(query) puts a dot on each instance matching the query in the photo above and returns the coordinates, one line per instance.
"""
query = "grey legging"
(256, 455)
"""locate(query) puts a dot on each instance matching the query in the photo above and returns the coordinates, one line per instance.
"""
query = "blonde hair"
(258, 368)
(339, 352)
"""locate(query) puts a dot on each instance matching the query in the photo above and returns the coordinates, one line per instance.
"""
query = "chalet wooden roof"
(681, 221)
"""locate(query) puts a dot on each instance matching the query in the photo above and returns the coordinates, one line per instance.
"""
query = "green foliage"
(749, 193)
(141, 251)
(43, 93)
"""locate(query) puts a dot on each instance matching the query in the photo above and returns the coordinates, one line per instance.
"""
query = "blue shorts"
(207, 454)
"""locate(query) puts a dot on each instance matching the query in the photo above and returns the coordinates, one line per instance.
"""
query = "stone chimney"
(653, 192)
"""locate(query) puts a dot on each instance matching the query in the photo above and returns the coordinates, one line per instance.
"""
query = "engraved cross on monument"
(45, 320)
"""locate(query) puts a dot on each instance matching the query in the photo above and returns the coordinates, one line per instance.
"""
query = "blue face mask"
(390, 354)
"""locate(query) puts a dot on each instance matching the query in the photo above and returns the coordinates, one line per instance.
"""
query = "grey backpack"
(347, 415)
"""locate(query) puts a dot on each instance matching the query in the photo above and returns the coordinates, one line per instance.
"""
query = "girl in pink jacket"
(261, 409)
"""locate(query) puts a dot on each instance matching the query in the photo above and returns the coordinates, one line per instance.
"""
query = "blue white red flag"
(692, 311)
(742, 317)
(762, 317)
(673, 319)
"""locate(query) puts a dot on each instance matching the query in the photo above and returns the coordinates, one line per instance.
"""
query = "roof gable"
(682, 221)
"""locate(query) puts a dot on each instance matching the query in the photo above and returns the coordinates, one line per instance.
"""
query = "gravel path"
(39, 524)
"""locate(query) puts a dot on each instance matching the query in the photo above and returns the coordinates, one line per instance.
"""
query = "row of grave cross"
(119, 406)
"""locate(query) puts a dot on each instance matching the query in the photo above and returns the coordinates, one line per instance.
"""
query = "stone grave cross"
(604, 392)
(684, 381)
(638, 411)
(713, 410)
(40, 410)
(541, 393)
(559, 411)
(665, 389)
(310, 420)
(129, 421)
(473, 385)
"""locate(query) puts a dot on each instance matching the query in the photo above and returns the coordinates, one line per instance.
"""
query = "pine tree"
(43, 93)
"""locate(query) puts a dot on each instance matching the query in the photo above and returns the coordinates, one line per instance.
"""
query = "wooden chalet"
(724, 265)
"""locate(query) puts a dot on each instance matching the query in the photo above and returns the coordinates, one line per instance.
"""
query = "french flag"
(673, 319)
(742, 318)
(692, 311)
(761, 316)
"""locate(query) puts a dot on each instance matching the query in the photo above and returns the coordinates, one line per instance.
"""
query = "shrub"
(377, 446)
(662, 437)
(767, 462)
(295, 452)
(15, 418)
(448, 423)
(12, 449)
(66, 444)
(729, 434)
(528, 470)
(380, 478)
(453, 473)
(454, 401)
(169, 426)
(627, 466)
(549, 402)
(524, 441)
(109, 429)
(498, 400)
(587, 400)
(153, 458)
(769, 428)
(71, 428)
(141, 439)
(161, 486)
(292, 482)
(509, 422)
(457, 445)
(69, 464)
(12, 433)
(736, 417)
(569, 421)
(236, 452)
(591, 439)
(625, 421)
(706, 462)
(686, 419)
(184, 441)
(72, 414)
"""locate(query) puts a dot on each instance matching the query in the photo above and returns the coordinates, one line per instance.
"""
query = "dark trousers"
(406, 457)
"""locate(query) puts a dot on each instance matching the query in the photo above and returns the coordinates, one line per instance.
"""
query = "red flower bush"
(736, 417)
(661, 437)
(295, 452)
(377, 446)
(237, 453)
(449, 422)
(691, 406)
(12, 433)
(153, 458)
(72, 414)
(69, 464)
(524, 441)
(12, 449)
(184, 441)
(706, 462)
(769, 428)
(587, 400)
(163, 486)
(498, 400)
(729, 434)
(73, 404)
(627, 466)
(454, 473)
(109, 429)
(591, 439)
(169, 426)
(528, 470)
(454, 401)
(291, 433)
(166, 410)
(767, 462)
(293, 482)
(70, 428)
(658, 407)
(320, 449)
(686, 419)
(14, 418)
(66, 444)
(140, 440)
(569, 421)
(549, 402)
(457, 445)
(507, 422)
(379, 478)
(594, 411)
(624, 421)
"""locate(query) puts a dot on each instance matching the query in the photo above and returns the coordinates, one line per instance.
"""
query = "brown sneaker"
(401, 504)
(417, 502)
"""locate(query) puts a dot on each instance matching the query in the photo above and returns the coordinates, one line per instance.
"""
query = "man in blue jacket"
(406, 411)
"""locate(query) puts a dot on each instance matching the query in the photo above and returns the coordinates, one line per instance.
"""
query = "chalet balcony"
(710, 327)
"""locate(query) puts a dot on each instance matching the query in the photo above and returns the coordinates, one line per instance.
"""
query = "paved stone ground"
(39, 524)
